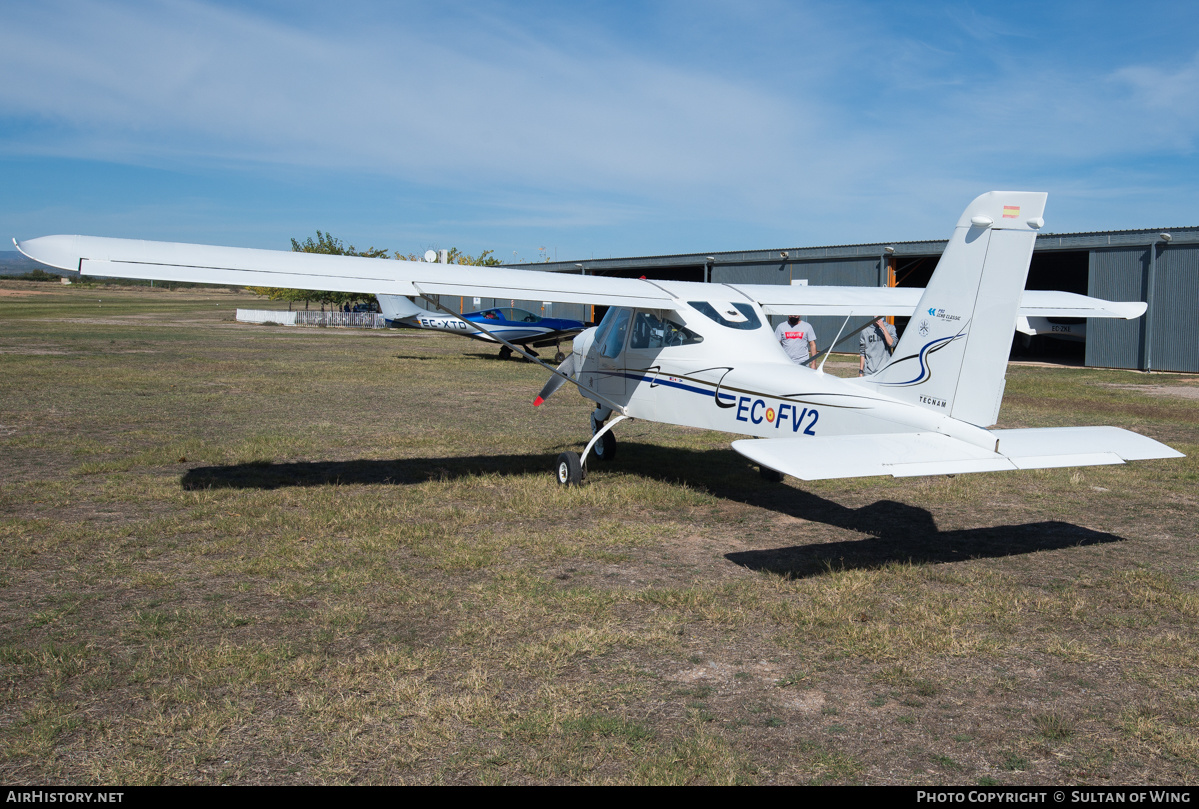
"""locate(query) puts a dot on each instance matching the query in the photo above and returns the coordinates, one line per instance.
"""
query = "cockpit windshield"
(740, 316)
(511, 315)
(651, 331)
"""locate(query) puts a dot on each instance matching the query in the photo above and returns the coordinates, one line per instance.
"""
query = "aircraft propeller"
(565, 370)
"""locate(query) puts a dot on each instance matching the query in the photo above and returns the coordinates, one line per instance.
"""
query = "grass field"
(253, 554)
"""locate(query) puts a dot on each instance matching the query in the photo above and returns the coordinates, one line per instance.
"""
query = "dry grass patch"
(240, 555)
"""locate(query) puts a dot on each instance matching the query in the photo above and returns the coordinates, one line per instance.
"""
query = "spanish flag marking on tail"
(1011, 211)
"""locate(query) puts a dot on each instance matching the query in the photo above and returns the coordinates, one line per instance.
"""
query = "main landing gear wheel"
(772, 475)
(570, 470)
(505, 352)
(605, 448)
(559, 358)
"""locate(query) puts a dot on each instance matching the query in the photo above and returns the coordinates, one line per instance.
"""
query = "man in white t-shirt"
(798, 339)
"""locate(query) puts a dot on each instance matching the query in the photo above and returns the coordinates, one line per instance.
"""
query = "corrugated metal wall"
(855, 272)
(1175, 308)
(1157, 341)
(1117, 274)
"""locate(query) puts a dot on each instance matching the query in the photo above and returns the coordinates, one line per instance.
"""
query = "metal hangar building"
(1158, 266)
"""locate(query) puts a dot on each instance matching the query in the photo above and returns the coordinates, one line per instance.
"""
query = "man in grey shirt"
(798, 339)
(875, 346)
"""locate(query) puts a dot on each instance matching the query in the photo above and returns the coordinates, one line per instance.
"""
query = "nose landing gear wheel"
(605, 448)
(559, 358)
(570, 470)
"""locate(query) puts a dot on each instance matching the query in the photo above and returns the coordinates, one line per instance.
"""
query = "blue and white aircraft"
(703, 355)
(515, 326)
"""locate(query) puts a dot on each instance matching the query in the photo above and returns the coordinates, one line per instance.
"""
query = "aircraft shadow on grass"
(476, 356)
(894, 531)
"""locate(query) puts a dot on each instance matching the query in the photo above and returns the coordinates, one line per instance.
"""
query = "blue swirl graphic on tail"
(925, 372)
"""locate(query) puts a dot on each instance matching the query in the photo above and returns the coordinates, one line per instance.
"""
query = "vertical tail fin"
(953, 356)
(398, 307)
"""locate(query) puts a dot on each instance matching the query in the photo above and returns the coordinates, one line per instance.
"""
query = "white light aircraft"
(512, 325)
(703, 355)
(1030, 327)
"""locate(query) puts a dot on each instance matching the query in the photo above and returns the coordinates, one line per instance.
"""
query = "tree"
(454, 256)
(485, 259)
(326, 243)
(330, 245)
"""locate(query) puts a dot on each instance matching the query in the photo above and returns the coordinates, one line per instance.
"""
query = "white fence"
(266, 316)
(352, 320)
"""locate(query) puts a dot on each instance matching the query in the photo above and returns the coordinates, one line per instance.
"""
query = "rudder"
(953, 356)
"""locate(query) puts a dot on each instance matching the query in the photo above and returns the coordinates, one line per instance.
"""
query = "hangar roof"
(1045, 241)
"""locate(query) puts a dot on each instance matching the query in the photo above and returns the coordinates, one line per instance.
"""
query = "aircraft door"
(610, 355)
(653, 333)
(646, 341)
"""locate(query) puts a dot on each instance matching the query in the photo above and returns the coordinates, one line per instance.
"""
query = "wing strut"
(836, 340)
(527, 355)
(841, 339)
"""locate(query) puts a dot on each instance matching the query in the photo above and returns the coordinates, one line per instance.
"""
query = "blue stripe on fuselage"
(660, 380)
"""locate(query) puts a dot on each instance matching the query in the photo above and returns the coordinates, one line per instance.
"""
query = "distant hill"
(13, 263)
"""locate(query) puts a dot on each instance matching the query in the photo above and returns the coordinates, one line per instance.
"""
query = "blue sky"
(590, 129)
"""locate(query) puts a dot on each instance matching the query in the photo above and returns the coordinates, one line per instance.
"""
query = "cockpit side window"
(520, 315)
(651, 331)
(750, 322)
(613, 342)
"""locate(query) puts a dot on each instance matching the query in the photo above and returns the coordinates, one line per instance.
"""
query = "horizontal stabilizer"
(914, 454)
(1039, 448)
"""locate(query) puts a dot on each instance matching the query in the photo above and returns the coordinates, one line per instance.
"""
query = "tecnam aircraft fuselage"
(703, 355)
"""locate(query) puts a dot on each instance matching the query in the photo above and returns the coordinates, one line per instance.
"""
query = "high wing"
(243, 266)
(832, 300)
(171, 261)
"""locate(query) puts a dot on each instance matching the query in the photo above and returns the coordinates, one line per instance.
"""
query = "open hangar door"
(1066, 338)
(1062, 270)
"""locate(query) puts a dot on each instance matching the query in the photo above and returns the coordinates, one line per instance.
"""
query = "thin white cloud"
(193, 79)
(816, 124)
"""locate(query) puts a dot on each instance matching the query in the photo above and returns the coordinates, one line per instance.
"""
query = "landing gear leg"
(571, 469)
(598, 417)
(603, 440)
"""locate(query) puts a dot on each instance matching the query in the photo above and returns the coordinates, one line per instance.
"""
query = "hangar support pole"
(1150, 283)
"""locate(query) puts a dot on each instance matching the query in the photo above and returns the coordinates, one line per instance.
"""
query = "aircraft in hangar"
(515, 326)
(703, 355)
